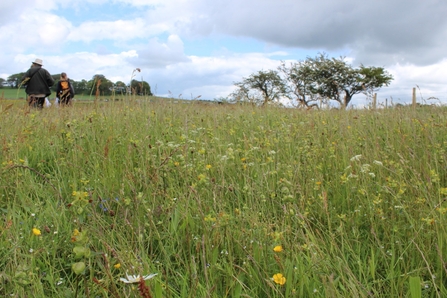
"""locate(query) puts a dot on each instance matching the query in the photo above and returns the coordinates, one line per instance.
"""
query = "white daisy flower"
(132, 279)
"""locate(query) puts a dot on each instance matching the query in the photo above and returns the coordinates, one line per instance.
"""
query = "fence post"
(414, 97)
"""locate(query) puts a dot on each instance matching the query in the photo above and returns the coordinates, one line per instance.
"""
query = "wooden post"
(414, 97)
(374, 101)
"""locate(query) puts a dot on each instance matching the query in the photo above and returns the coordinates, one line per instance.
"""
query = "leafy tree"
(120, 88)
(80, 87)
(299, 83)
(15, 79)
(100, 85)
(335, 79)
(2, 81)
(261, 87)
(140, 87)
(56, 78)
(120, 84)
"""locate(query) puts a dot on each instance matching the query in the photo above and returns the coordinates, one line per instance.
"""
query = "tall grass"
(218, 200)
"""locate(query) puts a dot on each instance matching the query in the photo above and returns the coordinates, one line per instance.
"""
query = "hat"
(38, 62)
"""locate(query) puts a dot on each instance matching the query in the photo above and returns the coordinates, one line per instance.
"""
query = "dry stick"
(40, 174)
(428, 268)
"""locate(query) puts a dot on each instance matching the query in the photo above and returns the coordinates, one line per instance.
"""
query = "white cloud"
(210, 77)
(404, 36)
(158, 54)
(119, 30)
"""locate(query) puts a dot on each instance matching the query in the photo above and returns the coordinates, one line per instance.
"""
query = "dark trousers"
(65, 99)
(36, 102)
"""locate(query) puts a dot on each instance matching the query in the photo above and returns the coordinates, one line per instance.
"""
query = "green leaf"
(415, 287)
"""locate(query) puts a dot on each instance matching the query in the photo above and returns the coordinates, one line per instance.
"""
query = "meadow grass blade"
(222, 201)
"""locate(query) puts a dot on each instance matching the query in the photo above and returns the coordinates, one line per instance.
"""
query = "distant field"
(7, 93)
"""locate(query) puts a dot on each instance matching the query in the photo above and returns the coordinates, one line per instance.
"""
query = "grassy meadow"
(222, 201)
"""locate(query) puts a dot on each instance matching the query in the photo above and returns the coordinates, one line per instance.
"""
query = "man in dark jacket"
(38, 82)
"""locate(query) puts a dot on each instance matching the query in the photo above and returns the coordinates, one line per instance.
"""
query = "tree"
(80, 87)
(298, 84)
(261, 87)
(56, 78)
(140, 88)
(2, 82)
(335, 79)
(100, 85)
(15, 79)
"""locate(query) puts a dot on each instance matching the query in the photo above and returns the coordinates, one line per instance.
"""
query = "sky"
(191, 48)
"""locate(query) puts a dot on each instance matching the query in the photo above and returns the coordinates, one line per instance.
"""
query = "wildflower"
(117, 265)
(80, 196)
(279, 279)
(208, 167)
(131, 279)
(379, 163)
(429, 221)
(36, 232)
(277, 248)
(356, 157)
(209, 217)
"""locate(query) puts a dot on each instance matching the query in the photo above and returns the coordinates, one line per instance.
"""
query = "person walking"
(64, 90)
(38, 82)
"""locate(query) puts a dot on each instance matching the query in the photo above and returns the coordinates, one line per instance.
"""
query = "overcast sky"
(189, 48)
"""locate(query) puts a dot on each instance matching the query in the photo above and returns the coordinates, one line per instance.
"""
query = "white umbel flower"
(132, 279)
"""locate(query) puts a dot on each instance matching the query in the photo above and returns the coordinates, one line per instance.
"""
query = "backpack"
(65, 85)
(65, 93)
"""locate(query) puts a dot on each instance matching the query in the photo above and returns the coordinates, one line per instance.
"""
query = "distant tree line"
(311, 82)
(99, 83)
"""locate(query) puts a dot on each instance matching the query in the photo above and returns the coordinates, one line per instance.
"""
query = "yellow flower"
(75, 232)
(80, 197)
(279, 279)
(36, 232)
(277, 248)
(117, 265)
(210, 218)
(208, 167)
